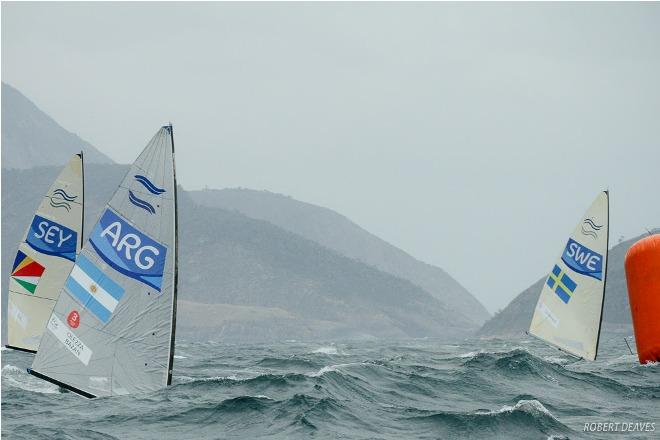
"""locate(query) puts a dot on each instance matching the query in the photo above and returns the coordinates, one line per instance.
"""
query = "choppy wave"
(416, 389)
(524, 419)
(19, 378)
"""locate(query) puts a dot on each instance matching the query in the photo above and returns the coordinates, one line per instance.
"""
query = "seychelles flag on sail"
(26, 272)
(94, 289)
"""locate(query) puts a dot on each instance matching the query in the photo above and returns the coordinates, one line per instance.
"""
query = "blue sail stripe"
(147, 184)
(140, 203)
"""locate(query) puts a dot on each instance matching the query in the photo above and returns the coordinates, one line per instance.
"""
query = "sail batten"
(45, 257)
(568, 314)
(111, 330)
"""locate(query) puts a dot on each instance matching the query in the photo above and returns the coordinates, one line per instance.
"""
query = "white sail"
(112, 330)
(569, 310)
(45, 257)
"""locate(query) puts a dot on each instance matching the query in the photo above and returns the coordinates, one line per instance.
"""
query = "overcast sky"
(473, 136)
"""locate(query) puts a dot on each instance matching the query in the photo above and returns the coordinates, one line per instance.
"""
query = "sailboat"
(45, 258)
(112, 329)
(569, 311)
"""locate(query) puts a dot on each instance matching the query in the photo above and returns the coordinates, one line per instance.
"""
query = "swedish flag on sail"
(561, 283)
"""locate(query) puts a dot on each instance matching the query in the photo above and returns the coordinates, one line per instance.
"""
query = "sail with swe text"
(45, 257)
(112, 329)
(569, 311)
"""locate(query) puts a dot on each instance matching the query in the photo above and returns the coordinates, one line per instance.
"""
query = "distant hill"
(247, 279)
(337, 232)
(31, 138)
(514, 319)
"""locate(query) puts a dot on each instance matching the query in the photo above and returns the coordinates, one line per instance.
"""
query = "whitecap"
(328, 349)
(556, 360)
(19, 378)
(323, 370)
(178, 356)
(330, 368)
(188, 379)
(470, 354)
(529, 406)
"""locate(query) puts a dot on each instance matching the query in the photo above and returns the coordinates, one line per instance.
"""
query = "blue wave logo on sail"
(128, 250)
(590, 228)
(153, 189)
(60, 199)
(141, 203)
(51, 238)
(583, 260)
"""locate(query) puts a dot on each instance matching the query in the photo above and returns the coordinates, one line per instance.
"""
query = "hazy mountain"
(514, 319)
(242, 278)
(337, 232)
(31, 138)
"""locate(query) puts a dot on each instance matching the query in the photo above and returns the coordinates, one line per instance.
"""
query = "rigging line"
(626, 340)
(31, 295)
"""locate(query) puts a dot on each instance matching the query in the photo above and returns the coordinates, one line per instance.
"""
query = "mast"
(607, 261)
(176, 264)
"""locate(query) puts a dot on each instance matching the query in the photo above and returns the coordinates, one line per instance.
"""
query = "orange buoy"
(643, 277)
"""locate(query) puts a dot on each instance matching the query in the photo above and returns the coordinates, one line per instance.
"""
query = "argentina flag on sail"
(93, 289)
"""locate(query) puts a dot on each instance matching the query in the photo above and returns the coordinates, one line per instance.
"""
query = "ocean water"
(354, 390)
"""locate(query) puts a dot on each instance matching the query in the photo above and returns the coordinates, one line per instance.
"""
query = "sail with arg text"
(112, 329)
